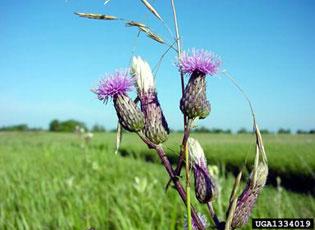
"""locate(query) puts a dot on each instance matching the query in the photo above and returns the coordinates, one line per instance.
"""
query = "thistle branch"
(214, 216)
(180, 160)
(160, 151)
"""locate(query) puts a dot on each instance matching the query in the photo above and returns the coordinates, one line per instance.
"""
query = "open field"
(50, 181)
(291, 157)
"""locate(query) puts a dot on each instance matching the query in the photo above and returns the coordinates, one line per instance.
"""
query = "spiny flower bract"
(199, 60)
(114, 84)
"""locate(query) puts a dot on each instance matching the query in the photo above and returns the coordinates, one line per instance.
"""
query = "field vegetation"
(56, 181)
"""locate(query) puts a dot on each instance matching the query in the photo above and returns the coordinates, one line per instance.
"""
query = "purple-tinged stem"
(214, 216)
(180, 189)
(181, 156)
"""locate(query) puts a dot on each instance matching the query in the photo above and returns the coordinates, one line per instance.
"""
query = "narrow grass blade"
(236, 186)
(259, 142)
(118, 137)
(233, 202)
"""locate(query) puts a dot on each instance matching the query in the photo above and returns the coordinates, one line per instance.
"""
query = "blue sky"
(51, 59)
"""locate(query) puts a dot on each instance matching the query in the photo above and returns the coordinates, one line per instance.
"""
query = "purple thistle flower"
(114, 84)
(201, 61)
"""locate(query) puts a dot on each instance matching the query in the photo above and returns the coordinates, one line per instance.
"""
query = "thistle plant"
(148, 121)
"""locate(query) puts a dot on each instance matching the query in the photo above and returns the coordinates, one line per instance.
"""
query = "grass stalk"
(185, 138)
(189, 224)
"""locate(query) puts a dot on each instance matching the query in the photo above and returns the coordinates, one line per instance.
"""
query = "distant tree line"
(203, 129)
(265, 131)
(280, 131)
(98, 128)
(71, 124)
(312, 131)
(19, 127)
(56, 126)
(65, 126)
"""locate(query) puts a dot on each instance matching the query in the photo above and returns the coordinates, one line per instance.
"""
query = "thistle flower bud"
(155, 128)
(200, 63)
(116, 87)
(205, 187)
(194, 101)
(248, 198)
(129, 115)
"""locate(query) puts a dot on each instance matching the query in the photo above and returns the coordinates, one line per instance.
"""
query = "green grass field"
(50, 181)
(291, 157)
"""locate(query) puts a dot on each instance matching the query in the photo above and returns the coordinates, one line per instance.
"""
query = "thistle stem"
(180, 189)
(180, 160)
(183, 149)
(214, 216)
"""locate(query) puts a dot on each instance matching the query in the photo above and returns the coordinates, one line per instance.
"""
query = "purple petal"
(199, 60)
(113, 84)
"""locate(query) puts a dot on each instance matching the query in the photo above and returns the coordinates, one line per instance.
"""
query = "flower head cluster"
(114, 84)
(199, 60)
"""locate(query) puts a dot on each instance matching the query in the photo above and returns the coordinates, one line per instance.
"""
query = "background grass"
(51, 181)
(291, 157)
